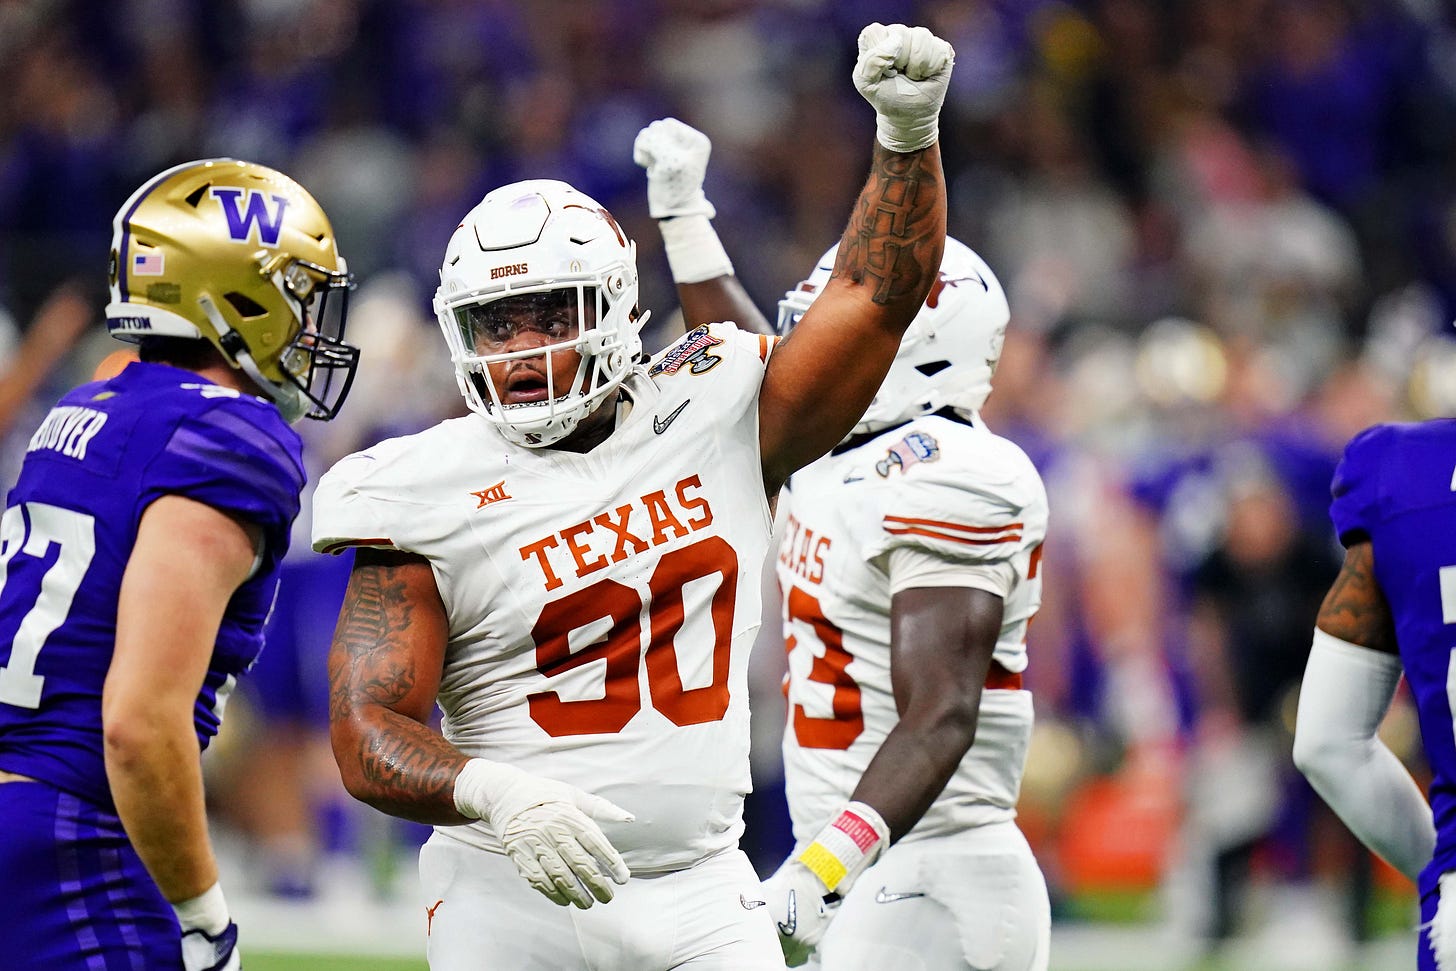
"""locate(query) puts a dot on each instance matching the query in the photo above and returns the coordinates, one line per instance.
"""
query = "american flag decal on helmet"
(148, 264)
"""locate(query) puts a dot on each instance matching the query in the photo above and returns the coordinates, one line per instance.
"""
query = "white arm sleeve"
(1347, 690)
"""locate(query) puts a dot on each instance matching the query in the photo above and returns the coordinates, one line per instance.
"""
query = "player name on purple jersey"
(68, 429)
(98, 460)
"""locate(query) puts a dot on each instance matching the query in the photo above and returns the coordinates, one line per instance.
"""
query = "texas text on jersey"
(544, 559)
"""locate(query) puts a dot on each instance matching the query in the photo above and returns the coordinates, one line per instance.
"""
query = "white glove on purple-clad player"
(675, 156)
(903, 72)
(209, 936)
(548, 828)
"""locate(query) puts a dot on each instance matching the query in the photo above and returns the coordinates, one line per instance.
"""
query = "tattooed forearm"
(896, 234)
(378, 700)
(409, 771)
(373, 661)
(1355, 609)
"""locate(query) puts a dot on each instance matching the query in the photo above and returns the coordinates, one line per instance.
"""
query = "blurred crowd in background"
(1227, 229)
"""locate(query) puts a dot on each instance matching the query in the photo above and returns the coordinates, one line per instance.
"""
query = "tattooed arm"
(1353, 671)
(820, 380)
(384, 674)
(1355, 609)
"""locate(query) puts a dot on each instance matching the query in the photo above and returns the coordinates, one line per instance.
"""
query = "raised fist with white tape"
(675, 156)
(903, 72)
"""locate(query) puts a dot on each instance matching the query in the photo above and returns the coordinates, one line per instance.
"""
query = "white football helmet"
(950, 350)
(534, 237)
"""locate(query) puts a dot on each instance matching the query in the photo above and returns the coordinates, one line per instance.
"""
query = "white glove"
(675, 156)
(796, 901)
(548, 828)
(209, 937)
(903, 72)
(804, 893)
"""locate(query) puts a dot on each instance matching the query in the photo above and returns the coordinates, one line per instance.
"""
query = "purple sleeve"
(1355, 491)
(238, 456)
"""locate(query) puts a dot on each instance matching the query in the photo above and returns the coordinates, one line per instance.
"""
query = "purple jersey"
(101, 456)
(1394, 487)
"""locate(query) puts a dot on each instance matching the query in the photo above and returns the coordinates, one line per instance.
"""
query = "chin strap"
(288, 400)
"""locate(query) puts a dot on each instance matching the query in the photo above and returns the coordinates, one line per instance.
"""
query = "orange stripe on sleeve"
(960, 527)
(965, 540)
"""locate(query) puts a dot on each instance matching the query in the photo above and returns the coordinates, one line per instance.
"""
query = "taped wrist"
(694, 251)
(478, 786)
(207, 912)
(898, 137)
(846, 847)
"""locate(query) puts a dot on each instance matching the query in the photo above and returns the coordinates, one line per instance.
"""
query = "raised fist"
(675, 156)
(903, 72)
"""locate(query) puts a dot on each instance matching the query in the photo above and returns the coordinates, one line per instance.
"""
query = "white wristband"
(207, 912)
(693, 249)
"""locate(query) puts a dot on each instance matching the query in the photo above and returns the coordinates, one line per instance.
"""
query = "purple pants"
(74, 895)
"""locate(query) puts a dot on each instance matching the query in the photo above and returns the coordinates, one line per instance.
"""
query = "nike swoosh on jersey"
(885, 897)
(659, 425)
(750, 904)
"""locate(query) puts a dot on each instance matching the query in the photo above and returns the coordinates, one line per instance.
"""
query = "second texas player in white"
(909, 568)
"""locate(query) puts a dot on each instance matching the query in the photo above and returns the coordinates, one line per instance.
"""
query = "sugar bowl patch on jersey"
(914, 448)
(690, 351)
(693, 351)
(975, 496)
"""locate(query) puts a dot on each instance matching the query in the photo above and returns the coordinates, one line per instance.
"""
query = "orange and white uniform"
(933, 502)
(601, 606)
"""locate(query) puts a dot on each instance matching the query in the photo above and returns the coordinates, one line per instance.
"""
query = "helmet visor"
(559, 315)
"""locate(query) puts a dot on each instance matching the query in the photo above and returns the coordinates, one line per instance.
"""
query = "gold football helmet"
(242, 256)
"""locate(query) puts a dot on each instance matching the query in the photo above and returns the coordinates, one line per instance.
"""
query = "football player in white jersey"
(908, 565)
(571, 570)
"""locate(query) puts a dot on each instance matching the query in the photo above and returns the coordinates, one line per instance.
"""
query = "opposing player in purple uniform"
(139, 554)
(1389, 610)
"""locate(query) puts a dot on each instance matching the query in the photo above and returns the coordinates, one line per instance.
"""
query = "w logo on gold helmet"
(241, 256)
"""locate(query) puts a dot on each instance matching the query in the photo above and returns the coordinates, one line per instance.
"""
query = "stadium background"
(1226, 228)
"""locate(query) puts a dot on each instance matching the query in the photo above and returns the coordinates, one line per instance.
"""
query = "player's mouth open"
(524, 386)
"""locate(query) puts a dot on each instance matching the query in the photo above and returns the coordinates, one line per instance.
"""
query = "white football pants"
(485, 917)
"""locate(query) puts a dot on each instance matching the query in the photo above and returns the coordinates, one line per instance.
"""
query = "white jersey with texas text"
(941, 487)
(602, 605)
